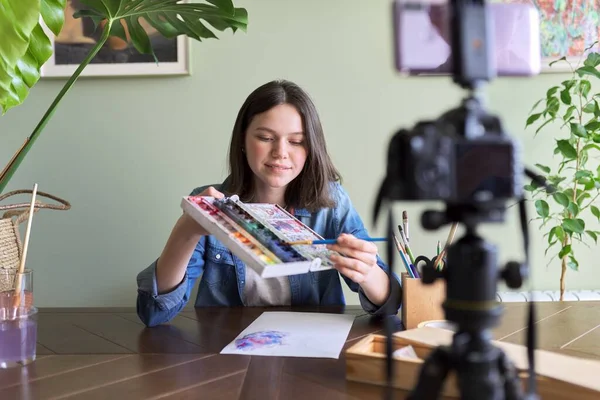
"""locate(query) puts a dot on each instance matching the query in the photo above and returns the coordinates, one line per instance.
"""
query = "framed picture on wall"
(117, 57)
(567, 29)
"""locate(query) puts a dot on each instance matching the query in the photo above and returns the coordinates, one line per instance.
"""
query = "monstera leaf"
(170, 17)
(24, 46)
(119, 18)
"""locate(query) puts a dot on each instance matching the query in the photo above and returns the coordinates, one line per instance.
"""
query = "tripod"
(483, 371)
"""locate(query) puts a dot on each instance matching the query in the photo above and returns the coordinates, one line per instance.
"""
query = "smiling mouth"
(278, 167)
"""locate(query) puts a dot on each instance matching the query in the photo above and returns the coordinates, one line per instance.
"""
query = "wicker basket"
(11, 248)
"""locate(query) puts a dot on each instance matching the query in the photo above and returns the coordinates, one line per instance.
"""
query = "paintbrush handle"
(333, 241)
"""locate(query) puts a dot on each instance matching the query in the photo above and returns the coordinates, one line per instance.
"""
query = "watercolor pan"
(258, 233)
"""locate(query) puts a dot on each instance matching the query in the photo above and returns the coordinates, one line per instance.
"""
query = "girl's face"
(275, 147)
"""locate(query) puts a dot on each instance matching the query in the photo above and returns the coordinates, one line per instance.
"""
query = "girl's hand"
(358, 257)
(189, 225)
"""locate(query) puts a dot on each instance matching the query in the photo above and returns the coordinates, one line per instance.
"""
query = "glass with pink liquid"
(18, 319)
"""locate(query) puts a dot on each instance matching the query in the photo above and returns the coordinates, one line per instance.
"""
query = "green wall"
(124, 150)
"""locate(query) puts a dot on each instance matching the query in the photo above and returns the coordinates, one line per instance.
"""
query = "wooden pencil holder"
(421, 302)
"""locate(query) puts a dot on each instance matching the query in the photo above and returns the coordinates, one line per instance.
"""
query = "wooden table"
(109, 354)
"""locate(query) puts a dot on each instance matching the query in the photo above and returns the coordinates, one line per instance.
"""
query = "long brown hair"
(311, 189)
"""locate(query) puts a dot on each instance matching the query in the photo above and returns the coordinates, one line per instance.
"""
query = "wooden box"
(558, 376)
(421, 302)
(366, 360)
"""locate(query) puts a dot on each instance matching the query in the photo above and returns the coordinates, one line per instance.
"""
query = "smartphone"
(422, 38)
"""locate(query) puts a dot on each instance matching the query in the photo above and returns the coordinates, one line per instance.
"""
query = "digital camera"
(437, 161)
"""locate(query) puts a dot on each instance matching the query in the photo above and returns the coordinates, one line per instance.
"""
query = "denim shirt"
(223, 274)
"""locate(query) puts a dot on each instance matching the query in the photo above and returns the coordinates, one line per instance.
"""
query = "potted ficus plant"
(25, 47)
(570, 112)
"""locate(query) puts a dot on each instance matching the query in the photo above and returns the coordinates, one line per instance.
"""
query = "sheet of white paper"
(293, 334)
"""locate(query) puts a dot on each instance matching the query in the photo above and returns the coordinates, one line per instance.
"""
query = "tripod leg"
(512, 384)
(433, 372)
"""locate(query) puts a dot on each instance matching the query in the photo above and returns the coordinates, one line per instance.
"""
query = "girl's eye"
(297, 143)
(264, 138)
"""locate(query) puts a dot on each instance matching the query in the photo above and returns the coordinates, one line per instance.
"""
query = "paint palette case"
(258, 233)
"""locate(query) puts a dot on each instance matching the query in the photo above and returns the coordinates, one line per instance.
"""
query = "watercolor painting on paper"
(293, 334)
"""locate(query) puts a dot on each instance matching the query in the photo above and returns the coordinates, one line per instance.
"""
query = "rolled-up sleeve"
(155, 308)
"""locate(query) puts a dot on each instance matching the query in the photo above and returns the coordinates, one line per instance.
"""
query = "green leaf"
(549, 247)
(568, 84)
(596, 109)
(537, 103)
(568, 192)
(595, 211)
(552, 106)
(107, 8)
(95, 17)
(592, 126)
(563, 163)
(557, 232)
(532, 118)
(593, 235)
(591, 184)
(584, 87)
(569, 112)
(583, 174)
(588, 70)
(572, 263)
(17, 22)
(590, 146)
(565, 96)
(578, 130)
(118, 30)
(542, 208)
(564, 251)
(573, 208)
(27, 71)
(543, 125)
(561, 199)
(555, 180)
(589, 108)
(18, 75)
(170, 18)
(592, 60)
(566, 149)
(581, 198)
(575, 225)
(53, 13)
(543, 168)
(226, 5)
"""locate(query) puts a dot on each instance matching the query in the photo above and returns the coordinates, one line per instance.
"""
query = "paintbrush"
(333, 241)
(21, 268)
(405, 223)
(448, 243)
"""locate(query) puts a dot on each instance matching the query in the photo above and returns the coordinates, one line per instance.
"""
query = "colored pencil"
(333, 241)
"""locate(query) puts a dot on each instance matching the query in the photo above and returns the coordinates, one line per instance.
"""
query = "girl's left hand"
(357, 259)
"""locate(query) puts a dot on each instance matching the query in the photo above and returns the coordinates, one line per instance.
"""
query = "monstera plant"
(570, 112)
(25, 47)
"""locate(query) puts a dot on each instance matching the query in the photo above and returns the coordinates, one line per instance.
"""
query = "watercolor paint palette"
(259, 234)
